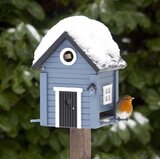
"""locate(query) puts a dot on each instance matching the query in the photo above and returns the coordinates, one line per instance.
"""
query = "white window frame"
(107, 94)
(68, 89)
(62, 56)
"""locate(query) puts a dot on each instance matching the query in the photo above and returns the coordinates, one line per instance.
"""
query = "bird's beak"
(133, 98)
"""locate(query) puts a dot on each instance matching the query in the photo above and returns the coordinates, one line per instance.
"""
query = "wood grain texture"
(80, 143)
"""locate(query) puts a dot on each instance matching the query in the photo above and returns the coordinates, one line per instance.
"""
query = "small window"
(107, 94)
(68, 56)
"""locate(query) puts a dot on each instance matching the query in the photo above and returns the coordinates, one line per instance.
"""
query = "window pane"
(107, 94)
(106, 98)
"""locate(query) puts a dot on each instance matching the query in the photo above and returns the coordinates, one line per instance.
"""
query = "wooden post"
(80, 143)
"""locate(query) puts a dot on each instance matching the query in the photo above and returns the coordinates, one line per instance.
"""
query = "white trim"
(107, 94)
(79, 105)
(62, 56)
(56, 109)
(68, 89)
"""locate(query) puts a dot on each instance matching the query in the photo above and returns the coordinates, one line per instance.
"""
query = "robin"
(124, 108)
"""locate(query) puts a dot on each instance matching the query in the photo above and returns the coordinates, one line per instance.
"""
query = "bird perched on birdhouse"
(124, 108)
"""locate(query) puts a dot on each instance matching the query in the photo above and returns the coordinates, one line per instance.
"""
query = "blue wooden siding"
(117, 85)
(43, 99)
(106, 78)
(60, 75)
(94, 104)
(116, 81)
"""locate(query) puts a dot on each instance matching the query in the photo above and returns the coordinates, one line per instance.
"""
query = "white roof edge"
(113, 68)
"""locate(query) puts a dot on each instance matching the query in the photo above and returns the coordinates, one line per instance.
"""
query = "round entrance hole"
(68, 56)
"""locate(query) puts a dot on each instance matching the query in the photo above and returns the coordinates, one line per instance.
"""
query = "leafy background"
(135, 26)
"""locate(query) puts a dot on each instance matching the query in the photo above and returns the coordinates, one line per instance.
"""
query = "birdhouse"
(78, 62)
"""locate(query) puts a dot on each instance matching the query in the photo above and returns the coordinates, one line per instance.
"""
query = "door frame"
(57, 103)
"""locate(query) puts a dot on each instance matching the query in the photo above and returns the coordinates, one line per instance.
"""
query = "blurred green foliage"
(135, 26)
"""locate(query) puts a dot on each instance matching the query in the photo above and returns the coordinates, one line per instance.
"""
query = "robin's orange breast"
(125, 106)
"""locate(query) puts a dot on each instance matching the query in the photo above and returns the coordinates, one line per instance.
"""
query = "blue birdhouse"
(78, 63)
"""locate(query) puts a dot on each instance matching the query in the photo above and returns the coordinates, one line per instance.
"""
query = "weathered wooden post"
(80, 143)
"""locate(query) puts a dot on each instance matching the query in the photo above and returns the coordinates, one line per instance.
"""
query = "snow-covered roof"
(92, 36)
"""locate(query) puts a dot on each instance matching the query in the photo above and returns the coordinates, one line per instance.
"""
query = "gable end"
(55, 45)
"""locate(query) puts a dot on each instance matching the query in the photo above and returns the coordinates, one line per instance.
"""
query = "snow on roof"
(92, 36)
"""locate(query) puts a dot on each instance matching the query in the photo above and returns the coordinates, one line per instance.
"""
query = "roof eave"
(38, 64)
(112, 68)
